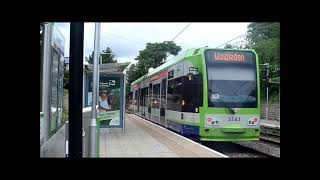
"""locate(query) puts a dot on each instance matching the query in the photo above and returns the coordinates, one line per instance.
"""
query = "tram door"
(149, 101)
(163, 101)
(135, 105)
(144, 97)
(138, 101)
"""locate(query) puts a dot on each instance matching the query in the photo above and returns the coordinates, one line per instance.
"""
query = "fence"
(274, 111)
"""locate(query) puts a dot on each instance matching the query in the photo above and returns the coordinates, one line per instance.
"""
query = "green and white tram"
(208, 94)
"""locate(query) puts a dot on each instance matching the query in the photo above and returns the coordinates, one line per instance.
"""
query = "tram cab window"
(192, 93)
(185, 95)
(174, 94)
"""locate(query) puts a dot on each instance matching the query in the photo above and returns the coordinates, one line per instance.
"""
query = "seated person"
(104, 102)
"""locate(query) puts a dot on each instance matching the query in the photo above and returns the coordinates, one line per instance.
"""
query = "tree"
(258, 32)
(153, 56)
(132, 74)
(264, 38)
(107, 57)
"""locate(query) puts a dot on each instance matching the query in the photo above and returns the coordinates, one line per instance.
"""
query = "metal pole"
(124, 103)
(46, 80)
(93, 123)
(267, 79)
(75, 90)
(98, 78)
(67, 139)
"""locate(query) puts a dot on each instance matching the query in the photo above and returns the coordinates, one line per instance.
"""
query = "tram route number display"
(233, 119)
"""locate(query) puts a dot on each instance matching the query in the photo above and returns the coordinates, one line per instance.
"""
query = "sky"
(127, 39)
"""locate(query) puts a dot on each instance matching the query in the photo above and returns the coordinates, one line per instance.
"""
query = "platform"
(270, 123)
(146, 139)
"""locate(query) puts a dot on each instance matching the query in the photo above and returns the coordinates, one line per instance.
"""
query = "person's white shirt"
(104, 103)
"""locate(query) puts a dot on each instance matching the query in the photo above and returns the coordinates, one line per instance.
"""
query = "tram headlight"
(253, 121)
(211, 121)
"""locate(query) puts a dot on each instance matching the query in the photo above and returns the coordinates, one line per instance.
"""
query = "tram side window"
(138, 96)
(135, 97)
(129, 101)
(146, 96)
(156, 96)
(143, 96)
(149, 98)
(170, 105)
(174, 94)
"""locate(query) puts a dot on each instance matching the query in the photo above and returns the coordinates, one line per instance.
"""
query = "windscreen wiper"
(227, 107)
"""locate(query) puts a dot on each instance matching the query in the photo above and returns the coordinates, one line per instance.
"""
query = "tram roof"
(176, 59)
(170, 62)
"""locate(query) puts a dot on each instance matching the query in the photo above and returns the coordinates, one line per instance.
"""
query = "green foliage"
(154, 55)
(264, 38)
(132, 74)
(258, 32)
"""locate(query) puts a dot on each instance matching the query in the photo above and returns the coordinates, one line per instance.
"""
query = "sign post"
(267, 84)
(93, 123)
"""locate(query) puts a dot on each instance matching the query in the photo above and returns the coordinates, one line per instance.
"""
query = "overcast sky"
(127, 39)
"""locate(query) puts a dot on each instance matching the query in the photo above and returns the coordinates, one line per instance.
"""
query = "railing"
(274, 111)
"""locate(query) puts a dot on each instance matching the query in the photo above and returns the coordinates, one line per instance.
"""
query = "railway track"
(267, 147)
(235, 150)
(270, 138)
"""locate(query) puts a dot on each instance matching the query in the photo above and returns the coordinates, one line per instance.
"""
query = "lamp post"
(267, 81)
(92, 129)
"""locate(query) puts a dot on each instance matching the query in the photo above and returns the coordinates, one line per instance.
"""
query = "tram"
(204, 93)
